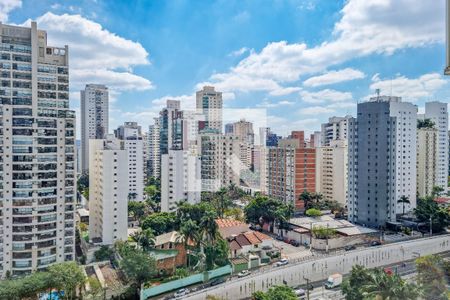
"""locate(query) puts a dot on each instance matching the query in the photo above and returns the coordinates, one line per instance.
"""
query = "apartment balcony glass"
(22, 246)
(22, 264)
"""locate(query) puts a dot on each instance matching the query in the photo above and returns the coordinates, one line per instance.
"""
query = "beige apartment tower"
(37, 153)
(427, 155)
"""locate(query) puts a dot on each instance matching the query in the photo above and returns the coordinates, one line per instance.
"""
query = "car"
(267, 247)
(375, 243)
(349, 247)
(300, 292)
(244, 273)
(282, 262)
(279, 237)
(181, 293)
(217, 281)
(295, 243)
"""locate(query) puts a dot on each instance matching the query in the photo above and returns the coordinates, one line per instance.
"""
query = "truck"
(333, 281)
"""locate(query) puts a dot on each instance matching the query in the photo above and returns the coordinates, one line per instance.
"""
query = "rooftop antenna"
(377, 91)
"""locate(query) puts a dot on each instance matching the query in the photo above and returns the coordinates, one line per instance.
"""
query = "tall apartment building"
(108, 191)
(37, 152)
(171, 127)
(209, 103)
(291, 169)
(335, 129)
(244, 131)
(154, 157)
(94, 118)
(437, 112)
(131, 135)
(331, 171)
(381, 160)
(180, 179)
(427, 160)
(220, 160)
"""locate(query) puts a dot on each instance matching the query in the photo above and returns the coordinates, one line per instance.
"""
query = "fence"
(184, 282)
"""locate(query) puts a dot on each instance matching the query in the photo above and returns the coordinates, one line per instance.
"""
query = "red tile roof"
(252, 238)
(261, 236)
(222, 223)
(442, 200)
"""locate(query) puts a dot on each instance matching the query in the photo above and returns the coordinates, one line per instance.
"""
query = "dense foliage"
(280, 292)
(262, 209)
(428, 208)
(431, 277)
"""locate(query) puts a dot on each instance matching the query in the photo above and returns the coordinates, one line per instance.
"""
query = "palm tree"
(404, 199)
(209, 226)
(383, 286)
(190, 232)
(221, 198)
(145, 239)
(306, 197)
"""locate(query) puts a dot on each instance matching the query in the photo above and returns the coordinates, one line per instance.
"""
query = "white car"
(282, 262)
(244, 273)
(181, 293)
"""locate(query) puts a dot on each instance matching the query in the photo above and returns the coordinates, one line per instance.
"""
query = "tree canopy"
(264, 209)
(279, 292)
(426, 208)
(160, 222)
(431, 277)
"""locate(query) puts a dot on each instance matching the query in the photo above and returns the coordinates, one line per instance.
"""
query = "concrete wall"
(317, 270)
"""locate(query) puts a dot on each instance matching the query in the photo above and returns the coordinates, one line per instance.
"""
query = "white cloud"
(315, 110)
(410, 89)
(326, 95)
(239, 52)
(284, 126)
(366, 27)
(267, 104)
(6, 6)
(96, 55)
(332, 77)
(283, 91)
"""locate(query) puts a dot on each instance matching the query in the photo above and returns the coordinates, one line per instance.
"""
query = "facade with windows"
(94, 118)
(381, 160)
(108, 191)
(153, 151)
(335, 129)
(427, 154)
(37, 153)
(209, 103)
(131, 136)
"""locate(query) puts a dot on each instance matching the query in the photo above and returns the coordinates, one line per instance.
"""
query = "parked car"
(181, 293)
(282, 262)
(349, 247)
(295, 243)
(244, 273)
(375, 243)
(267, 247)
(217, 281)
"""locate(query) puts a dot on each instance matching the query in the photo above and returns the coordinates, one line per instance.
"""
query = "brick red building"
(291, 169)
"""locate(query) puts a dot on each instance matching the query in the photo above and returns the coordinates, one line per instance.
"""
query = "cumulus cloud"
(411, 89)
(6, 6)
(332, 77)
(315, 110)
(239, 52)
(268, 104)
(96, 55)
(366, 27)
(327, 95)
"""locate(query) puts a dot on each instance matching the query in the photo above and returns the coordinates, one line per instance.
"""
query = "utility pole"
(328, 225)
(431, 225)
(307, 287)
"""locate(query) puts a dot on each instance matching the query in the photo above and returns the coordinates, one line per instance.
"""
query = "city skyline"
(143, 68)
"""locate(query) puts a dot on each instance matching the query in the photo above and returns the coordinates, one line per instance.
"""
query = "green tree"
(322, 232)
(280, 292)
(427, 208)
(403, 200)
(161, 222)
(426, 123)
(67, 277)
(104, 253)
(352, 286)
(137, 209)
(145, 239)
(221, 201)
(264, 209)
(307, 198)
(190, 232)
(431, 277)
(209, 226)
(436, 191)
(385, 286)
(138, 267)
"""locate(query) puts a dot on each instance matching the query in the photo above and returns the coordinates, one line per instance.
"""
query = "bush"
(313, 212)
(104, 253)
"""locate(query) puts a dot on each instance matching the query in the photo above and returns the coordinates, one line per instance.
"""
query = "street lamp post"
(431, 225)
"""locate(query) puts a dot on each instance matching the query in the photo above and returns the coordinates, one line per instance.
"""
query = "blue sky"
(301, 61)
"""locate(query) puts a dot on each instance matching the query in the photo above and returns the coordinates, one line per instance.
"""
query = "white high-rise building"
(154, 157)
(335, 129)
(331, 171)
(220, 160)
(94, 118)
(130, 134)
(382, 158)
(108, 191)
(209, 103)
(37, 153)
(180, 179)
(437, 112)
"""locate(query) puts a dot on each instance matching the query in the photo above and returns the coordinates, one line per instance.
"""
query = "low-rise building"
(169, 251)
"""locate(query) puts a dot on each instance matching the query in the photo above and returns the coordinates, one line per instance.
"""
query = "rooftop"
(170, 237)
